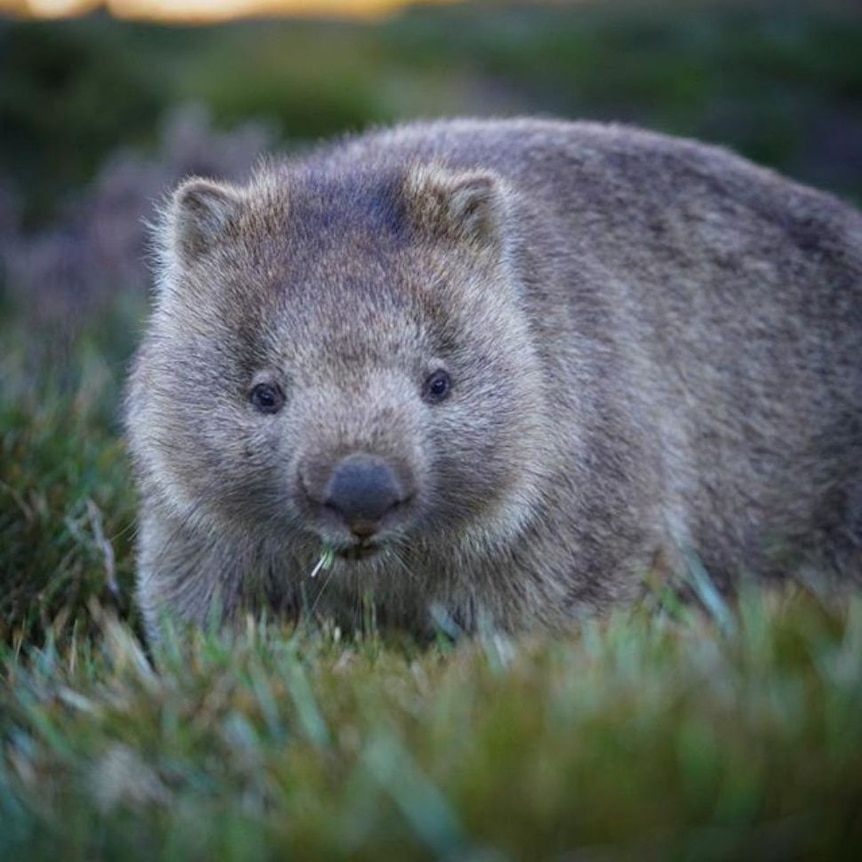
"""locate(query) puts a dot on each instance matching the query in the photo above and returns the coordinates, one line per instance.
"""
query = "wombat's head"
(341, 361)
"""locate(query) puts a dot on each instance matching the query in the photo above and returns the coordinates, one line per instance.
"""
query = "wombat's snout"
(361, 490)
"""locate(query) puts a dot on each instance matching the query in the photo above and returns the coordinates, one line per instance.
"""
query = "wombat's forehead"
(312, 209)
(337, 265)
(353, 276)
(347, 299)
(346, 234)
(322, 340)
(354, 251)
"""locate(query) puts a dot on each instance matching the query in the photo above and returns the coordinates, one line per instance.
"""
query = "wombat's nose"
(362, 489)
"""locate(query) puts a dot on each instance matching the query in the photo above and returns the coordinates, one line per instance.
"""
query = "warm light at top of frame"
(205, 10)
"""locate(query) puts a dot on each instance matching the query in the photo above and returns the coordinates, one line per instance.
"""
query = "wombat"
(494, 372)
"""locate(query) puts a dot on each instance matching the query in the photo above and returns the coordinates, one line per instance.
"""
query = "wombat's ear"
(465, 205)
(199, 215)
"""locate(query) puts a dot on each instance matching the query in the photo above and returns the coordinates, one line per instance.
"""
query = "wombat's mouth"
(358, 551)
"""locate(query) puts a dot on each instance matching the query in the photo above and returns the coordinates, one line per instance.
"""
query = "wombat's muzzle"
(361, 491)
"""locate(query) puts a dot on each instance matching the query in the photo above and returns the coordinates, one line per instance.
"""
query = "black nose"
(362, 489)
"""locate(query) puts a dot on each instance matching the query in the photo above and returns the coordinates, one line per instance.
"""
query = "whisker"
(321, 591)
(395, 554)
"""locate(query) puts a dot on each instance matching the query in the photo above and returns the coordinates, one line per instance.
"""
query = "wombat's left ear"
(467, 205)
(200, 213)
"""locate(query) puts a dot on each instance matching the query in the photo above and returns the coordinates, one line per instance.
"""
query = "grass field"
(667, 732)
(636, 738)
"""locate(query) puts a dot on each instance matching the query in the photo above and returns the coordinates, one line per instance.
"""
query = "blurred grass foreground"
(661, 733)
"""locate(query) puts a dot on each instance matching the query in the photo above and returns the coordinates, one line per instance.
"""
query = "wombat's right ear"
(199, 215)
(465, 205)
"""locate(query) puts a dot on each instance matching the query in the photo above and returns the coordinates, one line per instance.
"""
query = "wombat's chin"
(358, 551)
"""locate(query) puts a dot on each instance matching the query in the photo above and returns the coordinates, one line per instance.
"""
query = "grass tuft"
(324, 564)
(66, 514)
(637, 732)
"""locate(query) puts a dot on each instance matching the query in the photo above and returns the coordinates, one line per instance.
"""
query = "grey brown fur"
(654, 348)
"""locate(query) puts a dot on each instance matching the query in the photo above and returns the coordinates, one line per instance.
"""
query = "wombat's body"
(500, 369)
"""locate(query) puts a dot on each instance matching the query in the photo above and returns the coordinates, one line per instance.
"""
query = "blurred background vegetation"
(100, 117)
(780, 80)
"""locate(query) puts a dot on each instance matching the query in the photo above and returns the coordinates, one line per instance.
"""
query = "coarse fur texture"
(500, 370)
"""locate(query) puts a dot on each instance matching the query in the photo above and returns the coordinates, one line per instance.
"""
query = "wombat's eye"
(437, 386)
(267, 398)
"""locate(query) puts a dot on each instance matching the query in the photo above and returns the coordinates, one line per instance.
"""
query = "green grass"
(66, 507)
(665, 732)
(636, 735)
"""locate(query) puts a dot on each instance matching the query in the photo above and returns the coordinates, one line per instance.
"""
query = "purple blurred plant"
(95, 254)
